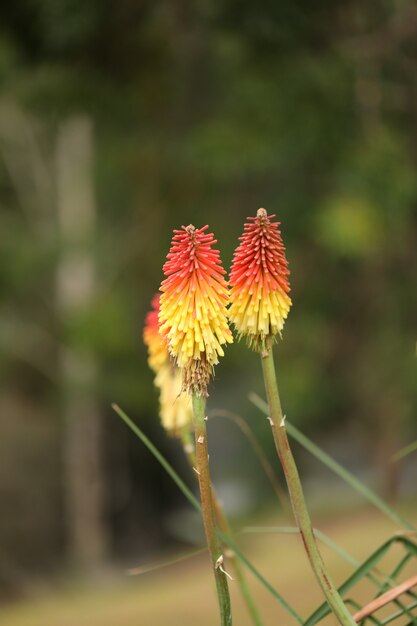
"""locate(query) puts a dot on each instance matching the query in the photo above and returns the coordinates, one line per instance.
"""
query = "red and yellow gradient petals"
(259, 281)
(194, 298)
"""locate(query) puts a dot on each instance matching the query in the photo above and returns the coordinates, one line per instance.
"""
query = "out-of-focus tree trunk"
(78, 366)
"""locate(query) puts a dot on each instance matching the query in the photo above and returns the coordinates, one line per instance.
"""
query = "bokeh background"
(120, 121)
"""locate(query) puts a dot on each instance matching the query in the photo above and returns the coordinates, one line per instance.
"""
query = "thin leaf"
(259, 576)
(338, 469)
(258, 450)
(412, 447)
(360, 573)
(398, 614)
(159, 457)
(388, 581)
(294, 530)
(392, 595)
(152, 567)
(191, 498)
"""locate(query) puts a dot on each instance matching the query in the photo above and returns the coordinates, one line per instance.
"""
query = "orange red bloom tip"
(193, 315)
(259, 281)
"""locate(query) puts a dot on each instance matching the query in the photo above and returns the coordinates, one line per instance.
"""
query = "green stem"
(213, 542)
(295, 489)
(226, 529)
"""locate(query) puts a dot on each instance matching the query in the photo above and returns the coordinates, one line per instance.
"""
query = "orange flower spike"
(193, 304)
(259, 281)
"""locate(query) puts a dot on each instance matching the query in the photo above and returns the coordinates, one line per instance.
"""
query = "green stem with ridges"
(207, 506)
(299, 506)
(224, 526)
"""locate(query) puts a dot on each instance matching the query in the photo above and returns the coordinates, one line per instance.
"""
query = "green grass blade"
(294, 530)
(400, 613)
(412, 447)
(338, 469)
(358, 575)
(159, 457)
(247, 431)
(259, 576)
(386, 582)
(336, 548)
(152, 567)
(192, 499)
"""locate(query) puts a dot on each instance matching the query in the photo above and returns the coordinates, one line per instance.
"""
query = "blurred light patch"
(349, 226)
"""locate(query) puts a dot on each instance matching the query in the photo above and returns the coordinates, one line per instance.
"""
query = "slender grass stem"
(299, 506)
(194, 502)
(224, 526)
(208, 510)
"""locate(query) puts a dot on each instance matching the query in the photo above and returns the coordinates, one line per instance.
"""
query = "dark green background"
(203, 112)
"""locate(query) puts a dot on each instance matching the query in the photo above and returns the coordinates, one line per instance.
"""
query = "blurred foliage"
(202, 113)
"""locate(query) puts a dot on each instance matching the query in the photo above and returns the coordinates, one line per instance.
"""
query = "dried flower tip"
(259, 281)
(193, 306)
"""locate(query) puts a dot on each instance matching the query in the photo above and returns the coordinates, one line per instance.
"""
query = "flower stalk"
(193, 322)
(260, 304)
(208, 510)
(299, 506)
(224, 526)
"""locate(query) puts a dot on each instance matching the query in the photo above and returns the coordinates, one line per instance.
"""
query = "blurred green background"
(120, 121)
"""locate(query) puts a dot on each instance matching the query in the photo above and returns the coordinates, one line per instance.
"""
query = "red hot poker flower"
(193, 306)
(259, 281)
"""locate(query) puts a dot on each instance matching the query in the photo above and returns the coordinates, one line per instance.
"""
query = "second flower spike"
(174, 407)
(193, 306)
(259, 280)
